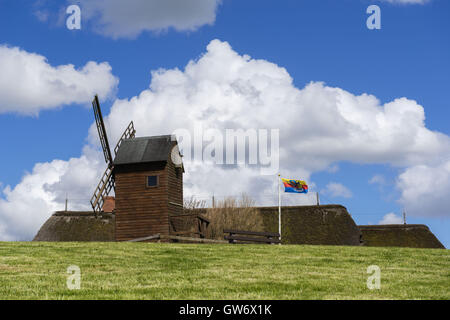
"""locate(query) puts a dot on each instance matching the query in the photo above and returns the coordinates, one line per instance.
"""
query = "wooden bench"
(239, 236)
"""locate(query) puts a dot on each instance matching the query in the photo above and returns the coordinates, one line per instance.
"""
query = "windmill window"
(152, 181)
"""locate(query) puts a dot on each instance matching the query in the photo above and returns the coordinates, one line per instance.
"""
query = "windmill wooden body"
(146, 174)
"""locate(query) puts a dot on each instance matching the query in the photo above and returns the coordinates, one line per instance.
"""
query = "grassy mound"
(111, 270)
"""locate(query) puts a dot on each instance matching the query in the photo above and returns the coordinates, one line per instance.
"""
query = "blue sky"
(314, 41)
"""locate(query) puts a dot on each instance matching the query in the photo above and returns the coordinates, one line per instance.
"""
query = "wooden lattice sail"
(106, 183)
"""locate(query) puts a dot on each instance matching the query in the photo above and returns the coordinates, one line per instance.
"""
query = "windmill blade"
(106, 183)
(129, 133)
(103, 189)
(102, 131)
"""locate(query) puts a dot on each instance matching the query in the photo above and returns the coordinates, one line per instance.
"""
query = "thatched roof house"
(315, 225)
(328, 225)
(399, 235)
(77, 226)
(319, 225)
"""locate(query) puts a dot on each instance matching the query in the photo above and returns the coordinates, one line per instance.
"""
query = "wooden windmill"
(147, 177)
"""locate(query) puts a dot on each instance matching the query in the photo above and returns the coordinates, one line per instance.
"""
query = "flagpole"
(279, 208)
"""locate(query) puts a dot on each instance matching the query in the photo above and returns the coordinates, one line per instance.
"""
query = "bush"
(232, 213)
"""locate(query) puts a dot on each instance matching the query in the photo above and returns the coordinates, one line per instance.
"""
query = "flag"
(295, 186)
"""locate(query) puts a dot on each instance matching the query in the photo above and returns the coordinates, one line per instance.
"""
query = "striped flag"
(295, 186)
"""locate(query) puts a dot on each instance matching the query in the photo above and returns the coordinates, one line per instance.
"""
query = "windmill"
(107, 182)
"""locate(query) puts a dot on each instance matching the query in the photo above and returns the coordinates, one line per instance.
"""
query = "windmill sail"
(129, 133)
(102, 131)
(106, 183)
(103, 189)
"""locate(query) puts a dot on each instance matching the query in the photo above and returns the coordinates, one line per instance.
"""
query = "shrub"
(232, 213)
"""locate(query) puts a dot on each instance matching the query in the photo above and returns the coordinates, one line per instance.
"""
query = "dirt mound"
(77, 226)
(399, 235)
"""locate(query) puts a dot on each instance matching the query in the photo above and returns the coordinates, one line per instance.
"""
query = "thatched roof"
(320, 225)
(325, 224)
(77, 226)
(399, 235)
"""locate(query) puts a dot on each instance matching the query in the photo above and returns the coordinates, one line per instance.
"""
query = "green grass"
(37, 270)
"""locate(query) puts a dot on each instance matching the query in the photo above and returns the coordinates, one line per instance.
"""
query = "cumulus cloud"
(25, 208)
(391, 218)
(127, 19)
(319, 126)
(425, 189)
(335, 189)
(28, 83)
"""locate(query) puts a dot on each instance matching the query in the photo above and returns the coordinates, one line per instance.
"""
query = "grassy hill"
(37, 270)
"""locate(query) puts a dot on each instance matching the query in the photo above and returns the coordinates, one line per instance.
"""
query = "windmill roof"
(144, 149)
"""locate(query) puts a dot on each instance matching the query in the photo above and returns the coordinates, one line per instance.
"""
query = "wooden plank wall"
(141, 211)
(175, 183)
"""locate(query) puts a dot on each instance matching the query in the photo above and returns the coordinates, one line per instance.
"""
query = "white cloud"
(335, 189)
(127, 19)
(333, 168)
(29, 84)
(42, 15)
(378, 179)
(319, 126)
(425, 189)
(26, 207)
(391, 218)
